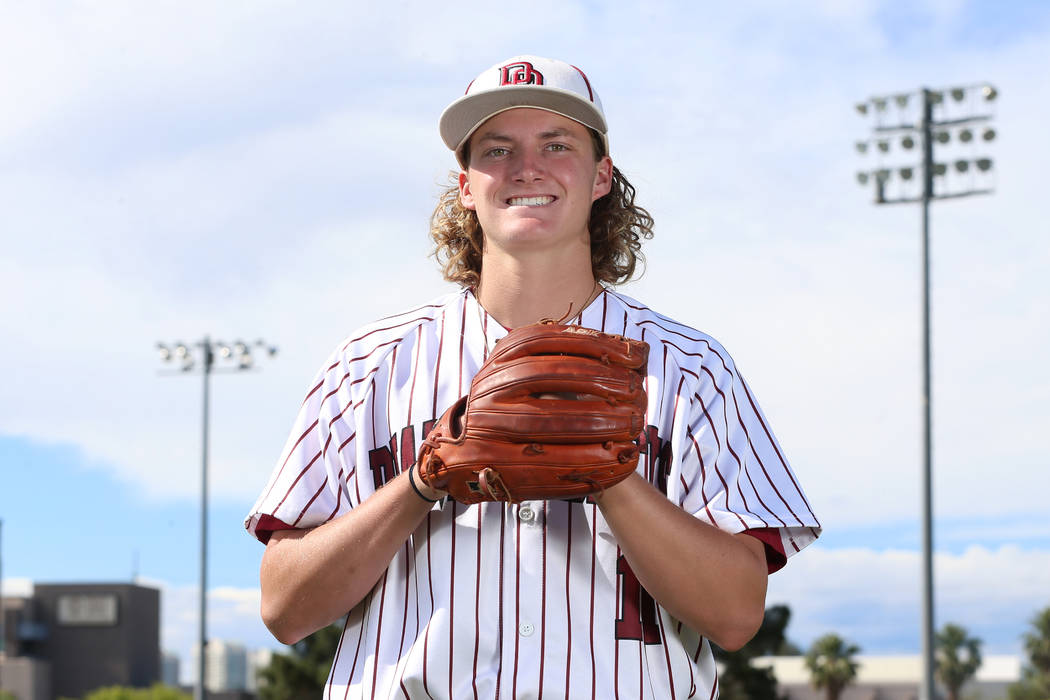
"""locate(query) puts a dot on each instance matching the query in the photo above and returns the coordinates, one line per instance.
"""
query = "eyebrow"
(557, 132)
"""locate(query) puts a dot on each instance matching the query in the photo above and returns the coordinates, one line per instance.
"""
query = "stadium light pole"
(934, 116)
(204, 354)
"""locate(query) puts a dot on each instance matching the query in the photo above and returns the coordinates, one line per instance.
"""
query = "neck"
(517, 294)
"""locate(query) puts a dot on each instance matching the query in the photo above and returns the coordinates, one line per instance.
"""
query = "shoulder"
(682, 344)
(370, 344)
(347, 370)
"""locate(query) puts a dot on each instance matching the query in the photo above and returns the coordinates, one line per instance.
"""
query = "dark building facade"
(89, 634)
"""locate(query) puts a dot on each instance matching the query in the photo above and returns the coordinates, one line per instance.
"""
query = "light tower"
(956, 122)
(204, 355)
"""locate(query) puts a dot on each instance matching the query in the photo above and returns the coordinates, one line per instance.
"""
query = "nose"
(528, 166)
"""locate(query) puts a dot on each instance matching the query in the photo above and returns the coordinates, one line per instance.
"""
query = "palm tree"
(1037, 643)
(831, 665)
(1035, 681)
(958, 658)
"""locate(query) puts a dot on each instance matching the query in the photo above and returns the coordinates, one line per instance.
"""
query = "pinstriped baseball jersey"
(535, 599)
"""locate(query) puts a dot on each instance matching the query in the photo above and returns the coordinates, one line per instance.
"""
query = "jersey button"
(526, 514)
(526, 629)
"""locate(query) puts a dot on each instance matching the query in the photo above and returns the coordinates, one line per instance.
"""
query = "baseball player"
(616, 594)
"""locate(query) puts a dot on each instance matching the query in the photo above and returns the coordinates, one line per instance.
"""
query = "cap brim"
(462, 118)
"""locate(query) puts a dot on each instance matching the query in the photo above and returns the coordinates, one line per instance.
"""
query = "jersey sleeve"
(733, 471)
(308, 486)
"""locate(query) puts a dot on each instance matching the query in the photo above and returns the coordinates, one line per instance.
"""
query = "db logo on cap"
(520, 74)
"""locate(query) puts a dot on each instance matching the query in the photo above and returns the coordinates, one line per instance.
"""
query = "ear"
(602, 178)
(465, 196)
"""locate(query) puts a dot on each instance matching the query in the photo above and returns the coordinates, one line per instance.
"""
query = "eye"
(496, 152)
(557, 147)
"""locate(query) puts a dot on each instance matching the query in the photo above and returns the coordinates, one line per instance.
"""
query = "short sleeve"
(735, 473)
(308, 486)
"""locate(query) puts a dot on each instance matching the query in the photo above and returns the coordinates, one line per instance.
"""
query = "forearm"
(311, 577)
(713, 581)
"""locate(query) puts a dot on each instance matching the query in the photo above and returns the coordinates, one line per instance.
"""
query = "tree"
(958, 658)
(158, 691)
(1035, 682)
(739, 680)
(1037, 643)
(301, 675)
(831, 665)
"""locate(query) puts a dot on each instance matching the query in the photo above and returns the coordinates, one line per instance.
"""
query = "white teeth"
(529, 201)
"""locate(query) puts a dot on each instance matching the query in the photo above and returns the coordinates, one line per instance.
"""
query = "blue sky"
(262, 170)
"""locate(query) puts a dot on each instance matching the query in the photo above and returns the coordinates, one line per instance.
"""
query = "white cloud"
(873, 597)
(172, 173)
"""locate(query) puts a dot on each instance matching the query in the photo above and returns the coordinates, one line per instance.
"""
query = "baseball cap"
(523, 81)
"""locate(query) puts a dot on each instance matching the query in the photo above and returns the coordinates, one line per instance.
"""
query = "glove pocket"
(551, 421)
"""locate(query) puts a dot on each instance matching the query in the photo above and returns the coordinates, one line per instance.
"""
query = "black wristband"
(412, 480)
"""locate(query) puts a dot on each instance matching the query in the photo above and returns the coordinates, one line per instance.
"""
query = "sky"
(266, 170)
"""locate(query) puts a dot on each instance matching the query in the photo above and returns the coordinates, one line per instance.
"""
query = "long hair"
(617, 226)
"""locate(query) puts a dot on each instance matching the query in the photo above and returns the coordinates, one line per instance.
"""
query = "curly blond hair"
(617, 226)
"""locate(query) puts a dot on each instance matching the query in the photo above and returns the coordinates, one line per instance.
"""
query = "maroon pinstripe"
(477, 608)
(568, 605)
(594, 557)
(543, 600)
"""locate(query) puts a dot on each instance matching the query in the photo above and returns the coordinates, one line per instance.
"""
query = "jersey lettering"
(408, 446)
(657, 453)
(383, 464)
(382, 460)
(637, 608)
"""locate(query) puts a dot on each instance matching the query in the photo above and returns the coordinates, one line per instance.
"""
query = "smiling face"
(531, 179)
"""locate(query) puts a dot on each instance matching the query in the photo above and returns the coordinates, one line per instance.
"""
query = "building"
(69, 639)
(258, 659)
(170, 667)
(227, 667)
(890, 678)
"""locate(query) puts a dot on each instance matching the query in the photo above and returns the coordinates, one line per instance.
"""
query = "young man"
(616, 595)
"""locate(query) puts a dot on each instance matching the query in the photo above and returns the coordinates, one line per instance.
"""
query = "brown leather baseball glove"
(554, 412)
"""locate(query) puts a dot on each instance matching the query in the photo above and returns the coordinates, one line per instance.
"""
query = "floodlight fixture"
(962, 165)
(908, 142)
(958, 94)
(906, 173)
(984, 164)
(989, 134)
(862, 107)
(989, 92)
(965, 136)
